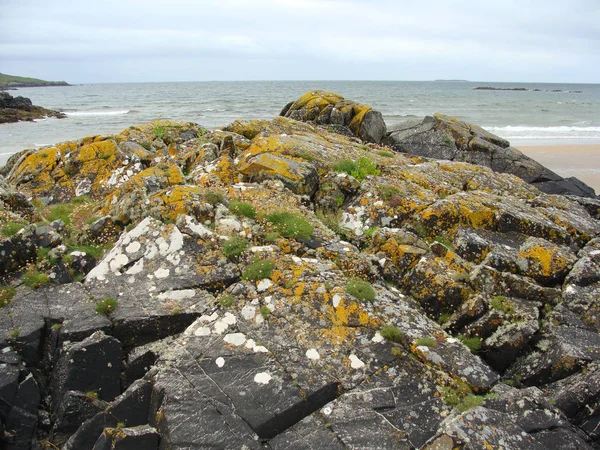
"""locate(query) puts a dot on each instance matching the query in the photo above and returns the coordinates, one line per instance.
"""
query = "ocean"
(542, 113)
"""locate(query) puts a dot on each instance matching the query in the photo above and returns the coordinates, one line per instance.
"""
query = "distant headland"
(12, 82)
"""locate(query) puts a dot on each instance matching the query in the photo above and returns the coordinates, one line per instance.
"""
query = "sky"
(196, 40)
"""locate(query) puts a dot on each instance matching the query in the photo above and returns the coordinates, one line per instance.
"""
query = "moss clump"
(426, 342)
(106, 305)
(263, 268)
(92, 395)
(391, 333)
(35, 279)
(9, 229)
(235, 246)
(7, 293)
(359, 169)
(242, 209)
(265, 311)
(226, 301)
(360, 289)
(214, 197)
(385, 154)
(472, 343)
(290, 225)
(444, 241)
(503, 304)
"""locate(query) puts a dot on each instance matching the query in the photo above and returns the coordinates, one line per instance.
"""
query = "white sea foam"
(97, 113)
(561, 132)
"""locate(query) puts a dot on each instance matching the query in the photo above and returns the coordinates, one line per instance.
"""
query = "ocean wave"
(559, 132)
(97, 113)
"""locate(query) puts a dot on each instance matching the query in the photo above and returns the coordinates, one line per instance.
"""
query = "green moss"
(214, 197)
(106, 305)
(359, 169)
(226, 301)
(9, 229)
(56, 326)
(92, 395)
(444, 241)
(426, 342)
(272, 236)
(360, 289)
(448, 141)
(388, 192)
(263, 268)
(235, 246)
(290, 225)
(35, 279)
(7, 293)
(391, 333)
(473, 343)
(385, 154)
(265, 311)
(242, 209)
(503, 304)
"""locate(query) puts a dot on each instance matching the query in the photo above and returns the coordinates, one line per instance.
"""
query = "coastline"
(580, 160)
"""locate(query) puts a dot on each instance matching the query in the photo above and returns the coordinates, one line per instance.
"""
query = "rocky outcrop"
(15, 109)
(327, 108)
(444, 137)
(277, 284)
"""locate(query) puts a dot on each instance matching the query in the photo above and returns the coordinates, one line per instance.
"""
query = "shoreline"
(580, 160)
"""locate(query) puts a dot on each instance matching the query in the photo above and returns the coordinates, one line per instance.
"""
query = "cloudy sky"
(193, 40)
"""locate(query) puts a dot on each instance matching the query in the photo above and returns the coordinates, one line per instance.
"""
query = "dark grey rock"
(75, 408)
(93, 364)
(143, 437)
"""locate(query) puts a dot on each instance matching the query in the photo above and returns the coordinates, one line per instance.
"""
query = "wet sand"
(572, 160)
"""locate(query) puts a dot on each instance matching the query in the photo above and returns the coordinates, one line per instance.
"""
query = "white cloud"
(292, 39)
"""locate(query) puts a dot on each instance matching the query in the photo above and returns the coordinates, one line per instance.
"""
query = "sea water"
(542, 113)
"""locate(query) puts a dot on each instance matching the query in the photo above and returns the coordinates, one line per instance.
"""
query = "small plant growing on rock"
(9, 229)
(235, 246)
(263, 268)
(391, 333)
(359, 169)
(472, 343)
(360, 289)
(426, 342)
(242, 209)
(92, 395)
(385, 154)
(226, 301)
(106, 305)
(503, 304)
(35, 279)
(290, 225)
(265, 311)
(56, 326)
(7, 293)
(214, 198)
(15, 332)
(159, 130)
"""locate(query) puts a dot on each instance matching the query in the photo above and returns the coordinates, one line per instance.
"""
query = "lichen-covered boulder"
(326, 108)
(445, 137)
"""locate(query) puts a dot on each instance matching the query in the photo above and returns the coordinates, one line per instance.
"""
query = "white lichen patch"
(181, 294)
(355, 362)
(118, 261)
(133, 247)
(220, 362)
(251, 344)
(263, 285)
(162, 273)
(229, 318)
(377, 338)
(248, 312)
(136, 268)
(220, 326)
(312, 354)
(235, 338)
(262, 378)
(202, 331)
(336, 300)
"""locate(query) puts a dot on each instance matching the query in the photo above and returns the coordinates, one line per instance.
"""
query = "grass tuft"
(391, 333)
(242, 209)
(290, 224)
(235, 246)
(7, 293)
(262, 268)
(35, 279)
(106, 305)
(360, 289)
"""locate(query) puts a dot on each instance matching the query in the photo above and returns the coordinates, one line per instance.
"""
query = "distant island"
(12, 82)
(460, 81)
(521, 89)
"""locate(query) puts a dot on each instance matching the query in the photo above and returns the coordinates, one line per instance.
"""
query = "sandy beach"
(571, 160)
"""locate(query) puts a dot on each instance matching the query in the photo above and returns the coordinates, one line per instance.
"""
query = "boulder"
(326, 108)
(445, 137)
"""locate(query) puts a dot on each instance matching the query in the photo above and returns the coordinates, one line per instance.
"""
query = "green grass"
(272, 236)
(391, 333)
(369, 232)
(242, 209)
(35, 279)
(444, 241)
(265, 311)
(503, 304)
(235, 246)
(290, 225)
(9, 229)
(106, 305)
(263, 268)
(95, 251)
(360, 289)
(331, 219)
(159, 130)
(359, 169)
(473, 343)
(426, 342)
(61, 211)
(385, 154)
(15, 333)
(388, 192)
(7, 293)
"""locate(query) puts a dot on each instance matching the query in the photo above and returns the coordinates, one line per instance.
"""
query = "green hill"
(12, 81)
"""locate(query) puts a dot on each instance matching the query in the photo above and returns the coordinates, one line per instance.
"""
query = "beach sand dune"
(572, 160)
